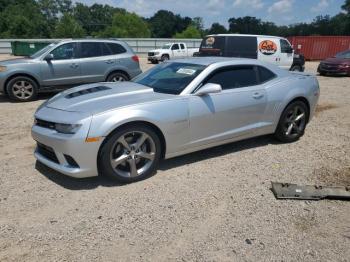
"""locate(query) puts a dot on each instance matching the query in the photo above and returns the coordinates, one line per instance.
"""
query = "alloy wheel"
(295, 121)
(132, 154)
(23, 89)
(117, 79)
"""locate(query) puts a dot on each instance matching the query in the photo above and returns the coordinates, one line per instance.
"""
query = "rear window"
(265, 74)
(212, 45)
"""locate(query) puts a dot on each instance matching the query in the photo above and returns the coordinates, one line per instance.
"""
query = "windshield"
(41, 51)
(344, 54)
(166, 46)
(169, 78)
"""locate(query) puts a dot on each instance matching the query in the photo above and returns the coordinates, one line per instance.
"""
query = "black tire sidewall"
(112, 75)
(296, 67)
(165, 58)
(104, 165)
(10, 84)
(280, 134)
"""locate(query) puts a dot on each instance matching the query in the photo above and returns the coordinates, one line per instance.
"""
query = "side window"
(234, 77)
(65, 51)
(182, 46)
(90, 49)
(265, 74)
(175, 47)
(285, 46)
(105, 50)
(116, 48)
(242, 46)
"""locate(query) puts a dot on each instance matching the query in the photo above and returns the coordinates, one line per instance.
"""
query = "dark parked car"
(66, 64)
(337, 65)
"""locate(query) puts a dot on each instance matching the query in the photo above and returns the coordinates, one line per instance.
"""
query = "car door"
(96, 60)
(64, 67)
(237, 110)
(176, 51)
(183, 50)
(286, 56)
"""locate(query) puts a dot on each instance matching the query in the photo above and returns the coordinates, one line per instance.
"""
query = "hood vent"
(87, 91)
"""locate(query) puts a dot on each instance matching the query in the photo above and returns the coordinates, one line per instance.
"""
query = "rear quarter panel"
(288, 88)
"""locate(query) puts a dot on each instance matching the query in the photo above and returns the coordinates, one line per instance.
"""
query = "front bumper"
(154, 58)
(333, 70)
(64, 147)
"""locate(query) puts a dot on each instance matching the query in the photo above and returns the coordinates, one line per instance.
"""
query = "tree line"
(65, 19)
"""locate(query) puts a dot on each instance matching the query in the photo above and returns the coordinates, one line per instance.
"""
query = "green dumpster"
(24, 48)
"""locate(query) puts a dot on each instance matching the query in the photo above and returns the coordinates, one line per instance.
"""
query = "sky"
(281, 12)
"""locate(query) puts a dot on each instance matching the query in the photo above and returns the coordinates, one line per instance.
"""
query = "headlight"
(3, 68)
(67, 128)
(156, 53)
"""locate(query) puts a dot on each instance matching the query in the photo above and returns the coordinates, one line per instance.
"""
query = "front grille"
(47, 152)
(150, 53)
(44, 124)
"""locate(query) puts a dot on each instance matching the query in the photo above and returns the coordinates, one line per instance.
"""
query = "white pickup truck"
(170, 51)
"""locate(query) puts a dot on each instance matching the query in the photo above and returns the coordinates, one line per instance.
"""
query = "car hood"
(100, 97)
(157, 50)
(334, 60)
(16, 61)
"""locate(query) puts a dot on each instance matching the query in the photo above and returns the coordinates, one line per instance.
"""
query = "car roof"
(91, 40)
(264, 36)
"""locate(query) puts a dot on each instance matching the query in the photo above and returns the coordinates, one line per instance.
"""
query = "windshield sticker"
(267, 47)
(186, 71)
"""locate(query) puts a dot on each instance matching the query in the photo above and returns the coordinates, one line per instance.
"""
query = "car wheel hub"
(132, 154)
(22, 89)
(294, 122)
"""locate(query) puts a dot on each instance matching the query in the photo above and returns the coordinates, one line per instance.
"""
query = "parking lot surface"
(212, 205)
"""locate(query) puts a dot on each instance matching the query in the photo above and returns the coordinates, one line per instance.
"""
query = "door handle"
(74, 65)
(258, 95)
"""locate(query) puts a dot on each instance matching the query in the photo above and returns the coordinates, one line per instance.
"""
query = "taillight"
(135, 58)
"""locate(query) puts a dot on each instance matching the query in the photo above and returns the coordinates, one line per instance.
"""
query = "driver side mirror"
(48, 57)
(209, 88)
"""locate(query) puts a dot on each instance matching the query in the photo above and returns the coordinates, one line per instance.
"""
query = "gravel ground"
(213, 205)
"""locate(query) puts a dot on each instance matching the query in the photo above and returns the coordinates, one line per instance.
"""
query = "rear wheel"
(130, 154)
(22, 88)
(292, 122)
(117, 77)
(296, 68)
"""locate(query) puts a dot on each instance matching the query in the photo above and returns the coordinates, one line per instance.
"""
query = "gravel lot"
(213, 205)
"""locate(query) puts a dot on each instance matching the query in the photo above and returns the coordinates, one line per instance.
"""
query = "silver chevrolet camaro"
(122, 130)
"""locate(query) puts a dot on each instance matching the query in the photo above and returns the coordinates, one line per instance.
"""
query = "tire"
(123, 145)
(165, 58)
(292, 123)
(296, 68)
(22, 89)
(117, 77)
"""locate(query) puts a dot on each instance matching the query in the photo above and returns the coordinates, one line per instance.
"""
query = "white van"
(272, 49)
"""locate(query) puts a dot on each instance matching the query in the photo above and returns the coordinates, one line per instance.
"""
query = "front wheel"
(130, 154)
(165, 58)
(292, 123)
(22, 89)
